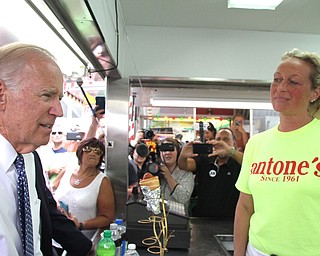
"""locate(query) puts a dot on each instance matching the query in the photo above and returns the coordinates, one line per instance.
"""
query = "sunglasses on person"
(54, 133)
(89, 150)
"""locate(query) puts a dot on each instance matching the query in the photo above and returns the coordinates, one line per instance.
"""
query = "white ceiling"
(293, 16)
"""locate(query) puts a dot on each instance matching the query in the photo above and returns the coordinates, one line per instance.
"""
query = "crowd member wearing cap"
(137, 165)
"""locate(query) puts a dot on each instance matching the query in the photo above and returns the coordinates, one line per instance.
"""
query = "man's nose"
(56, 109)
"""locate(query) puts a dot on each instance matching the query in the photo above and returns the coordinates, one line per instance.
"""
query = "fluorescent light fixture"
(254, 4)
(206, 103)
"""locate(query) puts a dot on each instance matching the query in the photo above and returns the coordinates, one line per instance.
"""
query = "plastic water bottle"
(131, 250)
(122, 231)
(106, 246)
(116, 238)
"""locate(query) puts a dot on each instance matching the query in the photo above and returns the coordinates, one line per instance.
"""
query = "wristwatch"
(232, 150)
(80, 226)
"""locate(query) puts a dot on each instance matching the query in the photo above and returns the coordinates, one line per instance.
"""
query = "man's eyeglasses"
(88, 150)
(54, 133)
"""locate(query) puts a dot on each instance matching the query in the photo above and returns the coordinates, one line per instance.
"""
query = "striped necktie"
(24, 207)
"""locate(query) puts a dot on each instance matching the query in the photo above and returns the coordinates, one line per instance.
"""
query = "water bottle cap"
(113, 226)
(131, 246)
(119, 221)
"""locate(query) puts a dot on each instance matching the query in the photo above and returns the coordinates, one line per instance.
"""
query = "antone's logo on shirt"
(286, 168)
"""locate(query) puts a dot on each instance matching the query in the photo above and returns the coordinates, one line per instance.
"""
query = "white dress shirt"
(10, 239)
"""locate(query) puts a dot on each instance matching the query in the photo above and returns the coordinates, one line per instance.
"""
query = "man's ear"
(2, 95)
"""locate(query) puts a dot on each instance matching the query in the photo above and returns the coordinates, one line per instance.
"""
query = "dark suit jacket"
(54, 224)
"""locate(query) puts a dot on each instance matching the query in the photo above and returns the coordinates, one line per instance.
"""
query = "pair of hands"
(238, 128)
(219, 148)
(56, 171)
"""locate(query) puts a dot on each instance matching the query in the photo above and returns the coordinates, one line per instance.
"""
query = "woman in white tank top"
(86, 191)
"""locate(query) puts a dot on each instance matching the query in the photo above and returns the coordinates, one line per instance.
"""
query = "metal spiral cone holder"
(157, 244)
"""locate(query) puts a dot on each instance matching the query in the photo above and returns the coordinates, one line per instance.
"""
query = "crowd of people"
(259, 182)
(204, 184)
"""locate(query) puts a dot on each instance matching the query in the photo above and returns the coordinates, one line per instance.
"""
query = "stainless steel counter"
(203, 241)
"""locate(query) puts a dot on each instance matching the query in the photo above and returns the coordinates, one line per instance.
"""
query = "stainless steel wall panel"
(117, 134)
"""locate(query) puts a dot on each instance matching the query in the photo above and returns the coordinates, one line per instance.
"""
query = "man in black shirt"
(216, 175)
(137, 165)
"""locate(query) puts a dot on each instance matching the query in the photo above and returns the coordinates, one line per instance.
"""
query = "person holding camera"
(133, 143)
(239, 132)
(176, 184)
(216, 174)
(137, 165)
(95, 124)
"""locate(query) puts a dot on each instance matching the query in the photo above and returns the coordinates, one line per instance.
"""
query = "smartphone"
(64, 206)
(101, 101)
(202, 149)
(74, 136)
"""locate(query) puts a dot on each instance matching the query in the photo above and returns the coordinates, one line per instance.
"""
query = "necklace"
(77, 181)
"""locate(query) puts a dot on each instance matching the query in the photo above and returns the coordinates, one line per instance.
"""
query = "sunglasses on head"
(88, 149)
(54, 133)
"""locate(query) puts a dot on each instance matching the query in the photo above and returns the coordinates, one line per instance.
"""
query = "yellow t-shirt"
(281, 170)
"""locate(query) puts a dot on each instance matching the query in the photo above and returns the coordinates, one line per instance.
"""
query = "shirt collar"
(8, 154)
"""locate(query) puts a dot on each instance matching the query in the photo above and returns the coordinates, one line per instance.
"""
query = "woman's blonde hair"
(313, 60)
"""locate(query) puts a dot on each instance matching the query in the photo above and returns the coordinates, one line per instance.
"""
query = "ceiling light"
(254, 4)
(236, 104)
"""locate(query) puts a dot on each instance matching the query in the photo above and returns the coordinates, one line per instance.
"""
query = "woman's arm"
(244, 211)
(57, 180)
(95, 122)
(105, 205)
(183, 189)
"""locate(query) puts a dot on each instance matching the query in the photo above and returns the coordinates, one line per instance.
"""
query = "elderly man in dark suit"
(30, 94)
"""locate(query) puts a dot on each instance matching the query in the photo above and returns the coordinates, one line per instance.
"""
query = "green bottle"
(106, 246)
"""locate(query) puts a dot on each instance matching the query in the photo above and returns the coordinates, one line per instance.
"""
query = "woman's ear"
(315, 94)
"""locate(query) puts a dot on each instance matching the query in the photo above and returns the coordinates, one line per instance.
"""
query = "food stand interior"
(185, 51)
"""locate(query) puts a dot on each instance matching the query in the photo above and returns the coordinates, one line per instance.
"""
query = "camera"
(166, 147)
(74, 136)
(154, 169)
(154, 166)
(148, 134)
(202, 149)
